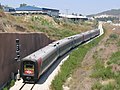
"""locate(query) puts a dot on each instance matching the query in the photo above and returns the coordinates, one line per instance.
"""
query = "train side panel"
(87, 35)
(78, 39)
(65, 45)
(48, 59)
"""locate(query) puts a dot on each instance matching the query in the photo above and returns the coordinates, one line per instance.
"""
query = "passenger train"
(35, 64)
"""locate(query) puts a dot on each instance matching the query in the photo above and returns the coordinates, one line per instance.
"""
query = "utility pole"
(67, 11)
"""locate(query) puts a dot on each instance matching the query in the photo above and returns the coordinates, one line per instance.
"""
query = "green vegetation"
(41, 20)
(107, 19)
(9, 85)
(106, 73)
(109, 86)
(72, 63)
(99, 86)
(100, 71)
(118, 43)
(115, 58)
(58, 28)
(54, 33)
(113, 36)
(103, 73)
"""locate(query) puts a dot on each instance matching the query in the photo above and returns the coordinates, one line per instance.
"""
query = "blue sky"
(84, 7)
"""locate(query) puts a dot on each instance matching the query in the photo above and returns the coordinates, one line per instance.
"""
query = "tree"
(23, 4)
(80, 14)
(1, 7)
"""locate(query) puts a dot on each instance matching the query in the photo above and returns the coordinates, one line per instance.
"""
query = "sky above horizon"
(84, 7)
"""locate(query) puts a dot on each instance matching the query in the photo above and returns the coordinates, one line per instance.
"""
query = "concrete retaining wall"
(29, 42)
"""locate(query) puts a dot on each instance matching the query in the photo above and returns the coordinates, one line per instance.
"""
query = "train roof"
(41, 53)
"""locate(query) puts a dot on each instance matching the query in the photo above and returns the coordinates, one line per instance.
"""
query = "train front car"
(28, 70)
(35, 64)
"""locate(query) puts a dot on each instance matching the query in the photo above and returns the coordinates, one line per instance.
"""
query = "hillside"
(52, 27)
(113, 12)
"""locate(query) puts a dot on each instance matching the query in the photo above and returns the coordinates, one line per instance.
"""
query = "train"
(35, 64)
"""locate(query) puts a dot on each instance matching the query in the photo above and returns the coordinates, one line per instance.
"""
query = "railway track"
(19, 85)
(27, 86)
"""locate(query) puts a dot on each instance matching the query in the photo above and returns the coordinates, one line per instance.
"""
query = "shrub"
(110, 86)
(97, 86)
(113, 36)
(114, 58)
(57, 20)
(9, 85)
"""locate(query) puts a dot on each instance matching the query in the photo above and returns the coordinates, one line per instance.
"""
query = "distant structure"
(25, 10)
(8, 9)
(103, 16)
(73, 17)
(28, 10)
(107, 18)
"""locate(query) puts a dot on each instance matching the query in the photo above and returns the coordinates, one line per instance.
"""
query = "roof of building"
(50, 9)
(28, 8)
(33, 8)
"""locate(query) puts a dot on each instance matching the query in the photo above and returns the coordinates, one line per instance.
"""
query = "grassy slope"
(52, 27)
(55, 28)
(101, 72)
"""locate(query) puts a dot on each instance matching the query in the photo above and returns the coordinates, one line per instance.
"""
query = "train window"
(49, 60)
(28, 68)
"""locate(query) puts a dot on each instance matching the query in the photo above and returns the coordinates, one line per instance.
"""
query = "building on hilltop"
(51, 12)
(28, 10)
(25, 10)
(73, 17)
(8, 9)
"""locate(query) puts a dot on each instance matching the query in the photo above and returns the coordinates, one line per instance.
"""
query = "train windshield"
(28, 68)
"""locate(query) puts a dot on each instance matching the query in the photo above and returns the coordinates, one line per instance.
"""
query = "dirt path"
(80, 79)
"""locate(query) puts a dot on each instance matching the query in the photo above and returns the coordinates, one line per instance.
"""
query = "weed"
(97, 86)
(5, 88)
(109, 86)
(114, 58)
(100, 71)
(57, 20)
(9, 85)
(113, 36)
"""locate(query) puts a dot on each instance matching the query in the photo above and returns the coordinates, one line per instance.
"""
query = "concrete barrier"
(29, 42)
